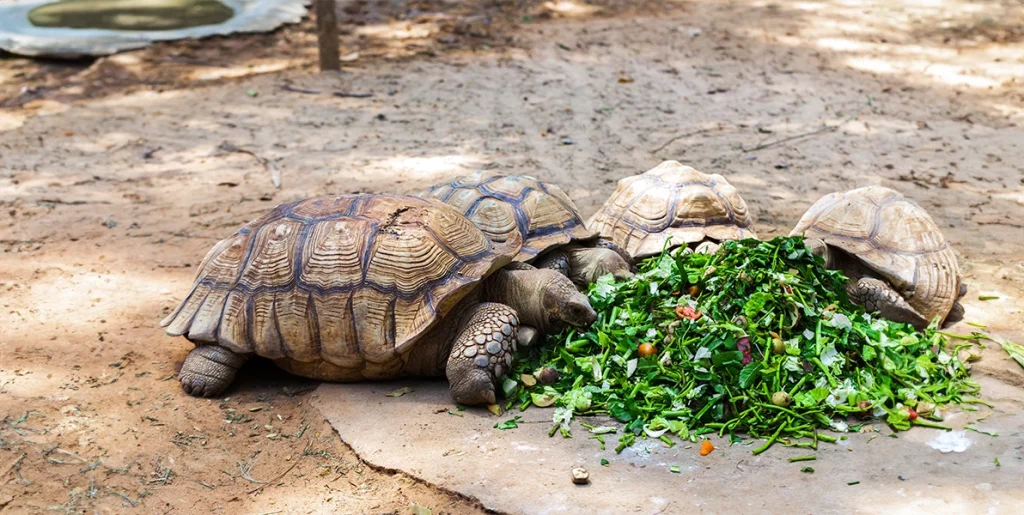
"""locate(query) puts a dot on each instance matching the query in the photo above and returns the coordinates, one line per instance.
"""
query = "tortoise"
(669, 206)
(541, 214)
(897, 260)
(362, 287)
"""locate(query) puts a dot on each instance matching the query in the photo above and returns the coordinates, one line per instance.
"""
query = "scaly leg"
(482, 353)
(208, 370)
(877, 296)
(610, 245)
(555, 260)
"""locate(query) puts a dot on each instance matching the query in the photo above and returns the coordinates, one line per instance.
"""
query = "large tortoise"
(669, 206)
(897, 260)
(541, 214)
(356, 287)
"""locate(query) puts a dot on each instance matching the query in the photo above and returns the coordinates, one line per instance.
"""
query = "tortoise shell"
(672, 203)
(349, 280)
(520, 206)
(894, 237)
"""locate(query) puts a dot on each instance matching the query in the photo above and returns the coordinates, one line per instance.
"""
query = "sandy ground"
(117, 176)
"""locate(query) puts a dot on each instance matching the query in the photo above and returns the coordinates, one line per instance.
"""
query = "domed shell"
(348, 280)
(675, 203)
(538, 212)
(893, 236)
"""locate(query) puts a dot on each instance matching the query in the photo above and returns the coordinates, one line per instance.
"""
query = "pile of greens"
(757, 339)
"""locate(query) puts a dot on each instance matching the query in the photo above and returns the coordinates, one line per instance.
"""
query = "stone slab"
(524, 471)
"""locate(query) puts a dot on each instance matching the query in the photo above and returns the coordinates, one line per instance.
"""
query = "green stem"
(802, 458)
(828, 375)
(976, 401)
(924, 423)
(825, 438)
(770, 441)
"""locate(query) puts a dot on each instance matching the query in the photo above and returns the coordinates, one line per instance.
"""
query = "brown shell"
(350, 280)
(540, 213)
(675, 203)
(892, 236)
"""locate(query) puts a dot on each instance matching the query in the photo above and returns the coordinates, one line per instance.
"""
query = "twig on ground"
(244, 467)
(293, 89)
(12, 465)
(344, 94)
(681, 136)
(276, 479)
(828, 128)
(791, 138)
(275, 174)
(131, 501)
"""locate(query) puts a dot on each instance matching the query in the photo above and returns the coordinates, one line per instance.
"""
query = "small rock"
(566, 141)
(580, 476)
(693, 32)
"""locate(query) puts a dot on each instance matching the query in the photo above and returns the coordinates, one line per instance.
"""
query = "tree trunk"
(327, 35)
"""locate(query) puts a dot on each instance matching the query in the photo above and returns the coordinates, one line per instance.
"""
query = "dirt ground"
(117, 175)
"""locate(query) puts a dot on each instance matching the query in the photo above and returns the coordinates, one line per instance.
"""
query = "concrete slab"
(524, 471)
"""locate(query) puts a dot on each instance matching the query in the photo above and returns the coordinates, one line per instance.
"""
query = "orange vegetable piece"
(693, 291)
(687, 312)
(646, 350)
(706, 447)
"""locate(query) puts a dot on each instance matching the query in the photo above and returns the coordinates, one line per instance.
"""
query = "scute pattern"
(673, 203)
(539, 213)
(350, 281)
(893, 236)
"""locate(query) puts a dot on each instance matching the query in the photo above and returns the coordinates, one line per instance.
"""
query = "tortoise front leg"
(209, 369)
(482, 353)
(877, 296)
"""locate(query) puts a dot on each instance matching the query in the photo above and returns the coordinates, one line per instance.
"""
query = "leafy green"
(511, 423)
(1015, 351)
(716, 369)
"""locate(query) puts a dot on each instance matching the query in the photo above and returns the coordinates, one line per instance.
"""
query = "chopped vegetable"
(802, 458)
(809, 470)
(706, 447)
(673, 469)
(604, 462)
(400, 392)
(851, 483)
(773, 323)
(687, 312)
(509, 424)
(646, 350)
(1015, 351)
(548, 375)
(781, 399)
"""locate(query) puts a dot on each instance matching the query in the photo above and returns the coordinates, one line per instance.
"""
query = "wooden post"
(327, 35)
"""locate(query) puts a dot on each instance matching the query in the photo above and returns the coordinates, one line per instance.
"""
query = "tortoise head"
(563, 303)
